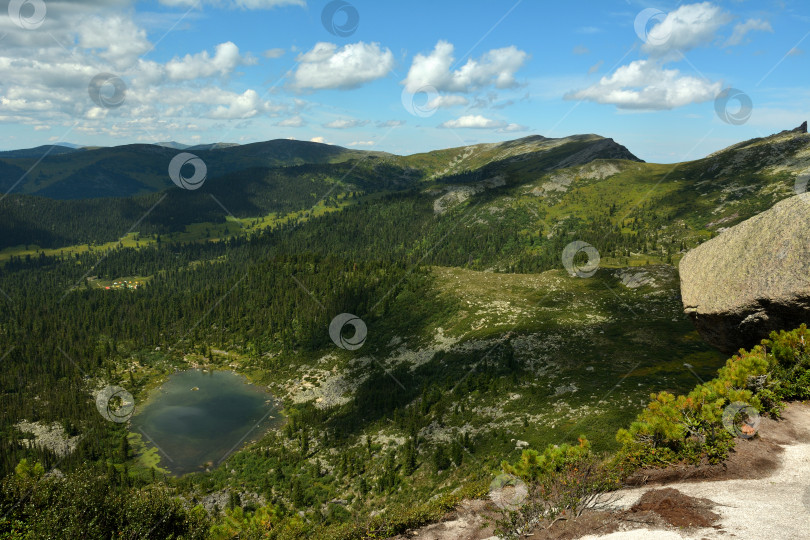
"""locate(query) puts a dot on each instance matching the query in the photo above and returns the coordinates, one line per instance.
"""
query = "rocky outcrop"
(601, 149)
(801, 129)
(752, 279)
(50, 436)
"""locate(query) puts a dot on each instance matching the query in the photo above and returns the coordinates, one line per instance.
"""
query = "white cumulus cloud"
(226, 58)
(116, 38)
(644, 84)
(326, 66)
(496, 67)
(446, 101)
(685, 28)
(649, 85)
(474, 121)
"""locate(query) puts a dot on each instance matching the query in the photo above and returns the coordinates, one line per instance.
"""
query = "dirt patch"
(756, 493)
(750, 459)
(587, 523)
(676, 509)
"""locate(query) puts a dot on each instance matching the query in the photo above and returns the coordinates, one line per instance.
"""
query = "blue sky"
(408, 76)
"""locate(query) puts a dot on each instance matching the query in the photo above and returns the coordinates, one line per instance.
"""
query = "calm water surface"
(197, 419)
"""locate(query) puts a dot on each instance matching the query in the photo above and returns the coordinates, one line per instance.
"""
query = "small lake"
(198, 418)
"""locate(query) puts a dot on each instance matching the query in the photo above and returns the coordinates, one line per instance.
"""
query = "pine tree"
(124, 448)
(457, 453)
(304, 443)
(440, 459)
(409, 458)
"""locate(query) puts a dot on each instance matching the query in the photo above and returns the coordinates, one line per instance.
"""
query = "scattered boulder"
(752, 279)
(633, 279)
(55, 473)
(520, 445)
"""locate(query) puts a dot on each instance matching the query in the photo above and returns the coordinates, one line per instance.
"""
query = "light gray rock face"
(752, 279)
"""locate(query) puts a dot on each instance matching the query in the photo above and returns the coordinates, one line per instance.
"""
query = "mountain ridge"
(133, 169)
(538, 181)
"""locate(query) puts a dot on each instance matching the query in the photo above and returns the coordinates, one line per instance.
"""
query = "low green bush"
(88, 504)
(690, 428)
(533, 465)
(562, 482)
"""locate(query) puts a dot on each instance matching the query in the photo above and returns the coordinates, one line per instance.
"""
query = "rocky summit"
(751, 279)
(801, 129)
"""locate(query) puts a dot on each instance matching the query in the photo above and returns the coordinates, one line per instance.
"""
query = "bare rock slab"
(752, 279)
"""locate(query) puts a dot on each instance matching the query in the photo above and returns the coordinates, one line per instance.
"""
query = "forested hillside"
(477, 333)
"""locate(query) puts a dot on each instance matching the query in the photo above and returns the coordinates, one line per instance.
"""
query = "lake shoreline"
(197, 413)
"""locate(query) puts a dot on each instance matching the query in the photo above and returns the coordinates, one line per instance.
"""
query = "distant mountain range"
(61, 172)
(66, 147)
(180, 146)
